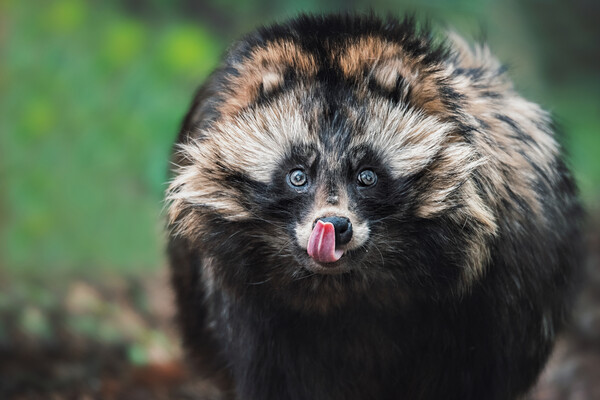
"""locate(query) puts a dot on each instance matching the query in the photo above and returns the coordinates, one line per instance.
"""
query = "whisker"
(259, 283)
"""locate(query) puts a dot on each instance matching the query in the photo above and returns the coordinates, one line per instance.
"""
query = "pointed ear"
(477, 55)
(404, 76)
(411, 83)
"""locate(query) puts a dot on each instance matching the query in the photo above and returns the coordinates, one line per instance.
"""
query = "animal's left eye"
(367, 177)
(297, 178)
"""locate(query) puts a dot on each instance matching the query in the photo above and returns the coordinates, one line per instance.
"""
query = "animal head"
(336, 156)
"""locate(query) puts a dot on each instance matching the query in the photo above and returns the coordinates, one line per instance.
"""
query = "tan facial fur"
(263, 137)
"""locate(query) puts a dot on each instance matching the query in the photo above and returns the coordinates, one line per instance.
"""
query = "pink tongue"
(321, 245)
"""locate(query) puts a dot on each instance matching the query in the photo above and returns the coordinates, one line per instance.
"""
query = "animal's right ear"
(205, 107)
(261, 71)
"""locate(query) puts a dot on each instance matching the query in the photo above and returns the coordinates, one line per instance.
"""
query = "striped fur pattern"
(457, 276)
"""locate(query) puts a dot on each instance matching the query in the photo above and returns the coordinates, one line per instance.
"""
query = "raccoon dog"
(357, 212)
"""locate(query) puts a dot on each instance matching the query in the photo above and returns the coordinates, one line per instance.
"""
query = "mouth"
(329, 249)
(322, 246)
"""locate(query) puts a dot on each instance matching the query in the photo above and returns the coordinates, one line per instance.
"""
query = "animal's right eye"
(297, 178)
(367, 178)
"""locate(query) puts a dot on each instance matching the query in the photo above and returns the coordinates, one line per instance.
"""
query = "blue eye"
(367, 177)
(297, 178)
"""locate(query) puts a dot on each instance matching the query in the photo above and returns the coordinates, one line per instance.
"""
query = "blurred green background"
(92, 94)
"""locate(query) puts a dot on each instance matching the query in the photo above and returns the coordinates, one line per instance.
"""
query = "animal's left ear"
(412, 82)
(405, 77)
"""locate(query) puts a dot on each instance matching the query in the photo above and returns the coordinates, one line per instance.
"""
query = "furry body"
(457, 277)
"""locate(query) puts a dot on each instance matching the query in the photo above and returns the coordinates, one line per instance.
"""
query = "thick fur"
(458, 276)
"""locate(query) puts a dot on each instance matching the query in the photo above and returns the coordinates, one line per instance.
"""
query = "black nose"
(342, 227)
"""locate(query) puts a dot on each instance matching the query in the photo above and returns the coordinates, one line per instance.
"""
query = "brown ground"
(574, 370)
(91, 339)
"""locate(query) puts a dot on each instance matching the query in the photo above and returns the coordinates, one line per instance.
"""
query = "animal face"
(335, 163)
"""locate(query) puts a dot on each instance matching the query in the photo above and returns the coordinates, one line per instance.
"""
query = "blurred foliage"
(92, 93)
